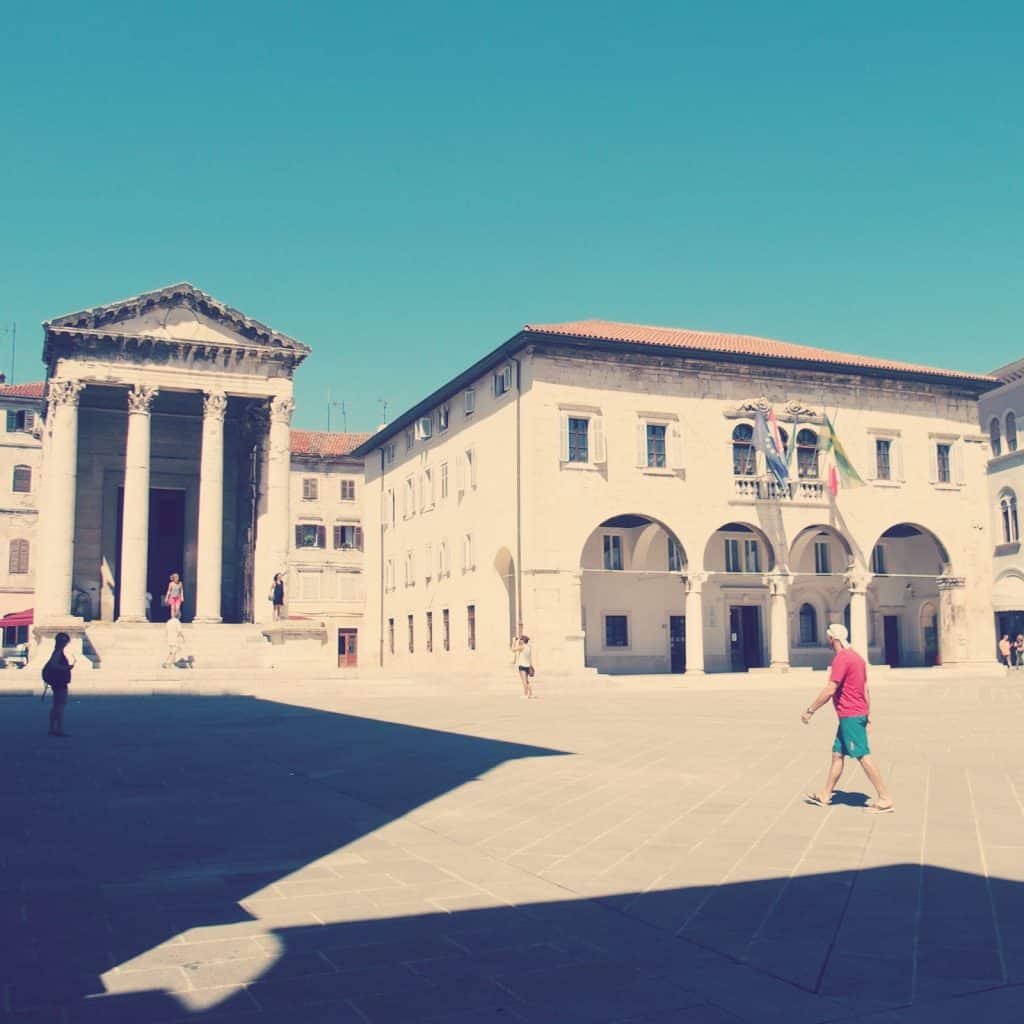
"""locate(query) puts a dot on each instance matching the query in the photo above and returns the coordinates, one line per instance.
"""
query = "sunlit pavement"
(340, 853)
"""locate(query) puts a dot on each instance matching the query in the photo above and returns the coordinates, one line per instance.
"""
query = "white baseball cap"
(837, 631)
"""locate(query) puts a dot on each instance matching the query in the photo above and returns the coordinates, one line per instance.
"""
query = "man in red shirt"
(848, 690)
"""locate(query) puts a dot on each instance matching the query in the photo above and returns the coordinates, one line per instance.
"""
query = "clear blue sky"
(402, 186)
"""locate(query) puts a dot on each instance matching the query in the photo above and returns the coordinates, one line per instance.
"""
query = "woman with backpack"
(57, 675)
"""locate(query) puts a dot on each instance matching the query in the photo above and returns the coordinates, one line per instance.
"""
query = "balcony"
(749, 488)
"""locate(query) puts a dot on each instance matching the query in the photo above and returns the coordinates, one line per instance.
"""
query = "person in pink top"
(847, 688)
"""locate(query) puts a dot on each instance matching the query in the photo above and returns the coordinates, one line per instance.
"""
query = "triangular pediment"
(177, 313)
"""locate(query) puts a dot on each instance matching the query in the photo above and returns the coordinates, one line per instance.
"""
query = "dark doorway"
(745, 637)
(677, 642)
(1012, 624)
(348, 648)
(166, 546)
(891, 634)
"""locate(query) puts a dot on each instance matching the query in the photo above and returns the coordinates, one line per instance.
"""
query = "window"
(428, 562)
(807, 454)
(18, 561)
(469, 401)
(22, 480)
(310, 488)
(410, 439)
(430, 631)
(409, 500)
(442, 417)
(15, 636)
(348, 490)
(446, 630)
(993, 436)
(389, 453)
(309, 535)
(465, 470)
(808, 624)
(883, 458)
(389, 578)
(468, 558)
(391, 636)
(388, 512)
(348, 538)
(744, 461)
(752, 556)
(410, 569)
(655, 436)
(616, 631)
(20, 420)
(822, 562)
(732, 555)
(1011, 432)
(579, 430)
(443, 565)
(878, 560)
(412, 638)
(444, 480)
(675, 555)
(944, 462)
(612, 551)
(427, 489)
(471, 468)
(1008, 513)
(471, 626)
(503, 380)
(425, 427)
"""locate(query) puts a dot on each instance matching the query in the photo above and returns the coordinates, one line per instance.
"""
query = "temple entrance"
(166, 552)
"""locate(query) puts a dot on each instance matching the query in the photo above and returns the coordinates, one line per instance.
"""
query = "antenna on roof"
(336, 405)
(384, 403)
(13, 332)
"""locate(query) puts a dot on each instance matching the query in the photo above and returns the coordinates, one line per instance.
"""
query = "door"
(165, 553)
(677, 642)
(347, 648)
(891, 634)
(736, 639)
(745, 637)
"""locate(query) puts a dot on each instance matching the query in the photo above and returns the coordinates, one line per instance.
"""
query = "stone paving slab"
(332, 853)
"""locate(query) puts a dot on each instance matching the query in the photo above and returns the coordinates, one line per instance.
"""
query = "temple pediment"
(179, 316)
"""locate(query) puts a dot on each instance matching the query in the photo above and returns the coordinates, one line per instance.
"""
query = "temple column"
(952, 620)
(210, 554)
(135, 518)
(859, 637)
(274, 521)
(778, 590)
(695, 623)
(55, 567)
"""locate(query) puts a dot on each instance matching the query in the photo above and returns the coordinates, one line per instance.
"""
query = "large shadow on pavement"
(145, 830)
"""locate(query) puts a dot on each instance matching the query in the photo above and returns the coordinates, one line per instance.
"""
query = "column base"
(694, 672)
(780, 666)
(132, 618)
(207, 620)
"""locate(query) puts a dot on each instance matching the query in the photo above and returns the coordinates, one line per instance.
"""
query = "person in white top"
(175, 642)
(524, 662)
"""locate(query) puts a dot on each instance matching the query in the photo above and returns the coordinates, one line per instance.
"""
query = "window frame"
(807, 637)
(23, 474)
(469, 401)
(347, 486)
(319, 537)
(18, 554)
(739, 444)
(802, 457)
(621, 618)
(822, 558)
(1010, 430)
(612, 551)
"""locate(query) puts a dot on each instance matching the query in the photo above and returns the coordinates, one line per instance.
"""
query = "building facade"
(599, 486)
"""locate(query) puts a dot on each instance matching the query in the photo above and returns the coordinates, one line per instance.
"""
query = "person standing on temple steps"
(277, 595)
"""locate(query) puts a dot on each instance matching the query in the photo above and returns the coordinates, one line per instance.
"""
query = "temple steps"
(138, 647)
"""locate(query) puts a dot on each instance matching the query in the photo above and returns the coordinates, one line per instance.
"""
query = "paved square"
(380, 853)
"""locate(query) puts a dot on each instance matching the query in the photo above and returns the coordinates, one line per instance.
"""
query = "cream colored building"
(999, 411)
(597, 484)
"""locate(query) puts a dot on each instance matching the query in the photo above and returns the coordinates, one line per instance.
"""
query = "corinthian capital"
(64, 392)
(140, 398)
(215, 404)
(281, 410)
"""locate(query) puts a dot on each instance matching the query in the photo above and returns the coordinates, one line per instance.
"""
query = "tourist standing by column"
(277, 596)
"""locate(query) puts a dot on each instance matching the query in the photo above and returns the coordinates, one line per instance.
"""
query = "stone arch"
(802, 558)
(505, 567)
(918, 538)
(715, 550)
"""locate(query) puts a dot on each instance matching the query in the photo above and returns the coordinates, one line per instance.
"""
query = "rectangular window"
(883, 458)
(752, 556)
(656, 445)
(410, 569)
(428, 564)
(732, 555)
(389, 577)
(675, 556)
(822, 564)
(471, 468)
(468, 558)
(878, 560)
(409, 502)
(389, 453)
(348, 538)
(442, 559)
(391, 636)
(310, 489)
(21, 482)
(410, 439)
(471, 626)
(430, 631)
(412, 638)
(503, 380)
(469, 401)
(427, 497)
(944, 462)
(446, 630)
(309, 535)
(612, 551)
(444, 480)
(578, 437)
(18, 421)
(442, 417)
(616, 631)
(348, 490)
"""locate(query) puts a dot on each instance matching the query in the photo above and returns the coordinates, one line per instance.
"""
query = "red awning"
(17, 619)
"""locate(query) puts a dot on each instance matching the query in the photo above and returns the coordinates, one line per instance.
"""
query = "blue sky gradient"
(402, 186)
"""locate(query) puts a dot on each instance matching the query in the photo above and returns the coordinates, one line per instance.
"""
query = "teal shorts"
(852, 737)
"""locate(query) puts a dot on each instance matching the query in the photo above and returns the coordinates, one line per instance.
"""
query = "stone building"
(599, 484)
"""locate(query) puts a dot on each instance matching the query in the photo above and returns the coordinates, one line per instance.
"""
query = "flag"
(773, 427)
(840, 469)
(766, 443)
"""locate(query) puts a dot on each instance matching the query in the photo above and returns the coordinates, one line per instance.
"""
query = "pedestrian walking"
(57, 675)
(847, 688)
(175, 596)
(175, 642)
(277, 595)
(1005, 649)
(524, 663)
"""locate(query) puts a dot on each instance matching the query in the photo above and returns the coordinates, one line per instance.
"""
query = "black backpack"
(55, 673)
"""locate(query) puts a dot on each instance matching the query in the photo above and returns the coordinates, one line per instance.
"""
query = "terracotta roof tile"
(737, 344)
(34, 389)
(321, 444)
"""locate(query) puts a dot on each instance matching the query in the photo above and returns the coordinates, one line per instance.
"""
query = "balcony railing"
(754, 489)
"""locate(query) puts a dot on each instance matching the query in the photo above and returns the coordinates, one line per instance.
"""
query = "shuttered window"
(18, 563)
(22, 480)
